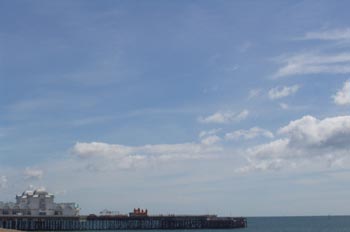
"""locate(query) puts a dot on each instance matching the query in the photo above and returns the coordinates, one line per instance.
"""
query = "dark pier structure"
(119, 222)
(37, 211)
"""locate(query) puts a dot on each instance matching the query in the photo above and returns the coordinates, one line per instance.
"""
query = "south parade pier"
(36, 210)
(119, 222)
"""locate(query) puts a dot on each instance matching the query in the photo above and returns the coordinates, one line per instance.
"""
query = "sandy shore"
(6, 230)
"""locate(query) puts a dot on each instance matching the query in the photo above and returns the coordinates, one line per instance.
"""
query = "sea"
(299, 224)
(282, 224)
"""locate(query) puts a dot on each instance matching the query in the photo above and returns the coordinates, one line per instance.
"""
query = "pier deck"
(92, 222)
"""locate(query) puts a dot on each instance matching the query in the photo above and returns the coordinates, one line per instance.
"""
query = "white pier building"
(38, 202)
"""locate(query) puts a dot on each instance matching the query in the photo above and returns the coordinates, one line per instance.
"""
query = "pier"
(37, 211)
(92, 222)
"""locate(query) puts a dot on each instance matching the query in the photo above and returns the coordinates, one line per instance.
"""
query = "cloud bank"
(304, 140)
(120, 156)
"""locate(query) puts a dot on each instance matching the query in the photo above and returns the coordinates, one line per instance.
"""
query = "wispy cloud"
(284, 106)
(291, 107)
(342, 97)
(224, 117)
(209, 132)
(249, 134)
(313, 63)
(29, 105)
(254, 93)
(125, 157)
(3, 182)
(280, 92)
(333, 34)
(33, 173)
(244, 47)
(209, 137)
(90, 120)
(210, 140)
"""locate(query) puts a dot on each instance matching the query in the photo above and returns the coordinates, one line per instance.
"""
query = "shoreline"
(8, 230)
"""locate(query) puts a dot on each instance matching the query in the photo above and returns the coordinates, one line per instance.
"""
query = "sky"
(236, 108)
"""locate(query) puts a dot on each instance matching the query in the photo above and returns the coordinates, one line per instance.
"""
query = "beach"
(7, 230)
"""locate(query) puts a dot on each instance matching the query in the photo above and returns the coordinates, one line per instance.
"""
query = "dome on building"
(28, 192)
(40, 191)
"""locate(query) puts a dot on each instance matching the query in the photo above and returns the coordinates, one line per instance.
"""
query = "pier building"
(38, 203)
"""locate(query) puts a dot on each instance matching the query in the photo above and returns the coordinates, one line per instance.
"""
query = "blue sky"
(228, 107)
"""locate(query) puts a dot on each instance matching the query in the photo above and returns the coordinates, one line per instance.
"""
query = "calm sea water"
(299, 224)
(285, 224)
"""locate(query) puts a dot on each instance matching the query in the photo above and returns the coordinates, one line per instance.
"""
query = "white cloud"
(208, 133)
(210, 140)
(225, 117)
(334, 34)
(304, 140)
(121, 156)
(342, 97)
(249, 134)
(280, 92)
(318, 63)
(209, 137)
(311, 132)
(3, 182)
(313, 63)
(31, 173)
(307, 141)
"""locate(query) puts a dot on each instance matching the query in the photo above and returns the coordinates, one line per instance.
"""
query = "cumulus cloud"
(304, 140)
(313, 133)
(225, 117)
(31, 173)
(280, 92)
(342, 97)
(314, 63)
(121, 156)
(249, 134)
